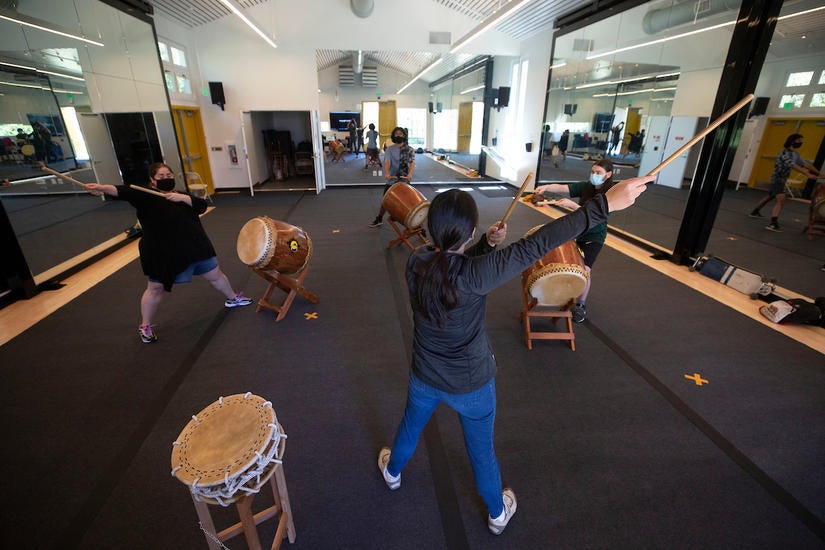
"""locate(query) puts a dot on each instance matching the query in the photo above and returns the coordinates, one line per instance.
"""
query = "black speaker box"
(570, 108)
(503, 96)
(216, 93)
(430, 107)
(760, 106)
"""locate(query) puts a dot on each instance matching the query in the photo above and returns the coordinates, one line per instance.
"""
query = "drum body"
(272, 245)
(229, 449)
(558, 277)
(406, 204)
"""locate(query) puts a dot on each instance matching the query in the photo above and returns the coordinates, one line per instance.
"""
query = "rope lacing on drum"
(195, 418)
(220, 401)
(247, 394)
(176, 468)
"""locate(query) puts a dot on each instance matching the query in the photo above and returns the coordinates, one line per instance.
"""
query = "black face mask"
(397, 139)
(797, 145)
(166, 184)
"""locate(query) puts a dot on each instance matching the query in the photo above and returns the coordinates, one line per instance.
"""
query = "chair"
(197, 187)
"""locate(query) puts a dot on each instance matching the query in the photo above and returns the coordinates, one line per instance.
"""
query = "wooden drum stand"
(405, 235)
(292, 287)
(529, 310)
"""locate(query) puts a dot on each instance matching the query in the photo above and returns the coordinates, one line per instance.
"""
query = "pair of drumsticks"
(85, 187)
(726, 115)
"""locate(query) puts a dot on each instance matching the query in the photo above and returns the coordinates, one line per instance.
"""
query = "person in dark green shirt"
(591, 241)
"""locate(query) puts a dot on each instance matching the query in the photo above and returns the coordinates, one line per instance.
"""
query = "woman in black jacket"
(174, 246)
(452, 361)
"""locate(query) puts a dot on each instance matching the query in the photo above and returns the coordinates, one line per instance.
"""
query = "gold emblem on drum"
(293, 245)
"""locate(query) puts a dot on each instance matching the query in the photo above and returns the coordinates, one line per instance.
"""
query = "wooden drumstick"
(61, 176)
(515, 200)
(147, 190)
(726, 115)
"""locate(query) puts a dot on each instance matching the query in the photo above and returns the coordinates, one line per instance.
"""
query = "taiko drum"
(272, 245)
(558, 277)
(406, 204)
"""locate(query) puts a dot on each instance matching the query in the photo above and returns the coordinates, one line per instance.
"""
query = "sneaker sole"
(381, 466)
(238, 305)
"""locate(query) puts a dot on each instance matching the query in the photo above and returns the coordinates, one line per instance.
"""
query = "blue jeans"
(477, 412)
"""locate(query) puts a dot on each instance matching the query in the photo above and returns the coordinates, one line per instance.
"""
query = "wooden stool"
(249, 521)
(291, 286)
(529, 311)
(405, 235)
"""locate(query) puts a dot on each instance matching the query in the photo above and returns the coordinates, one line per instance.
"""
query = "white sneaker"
(383, 459)
(496, 526)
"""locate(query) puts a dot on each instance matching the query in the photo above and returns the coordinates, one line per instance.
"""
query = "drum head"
(417, 215)
(224, 440)
(255, 242)
(556, 285)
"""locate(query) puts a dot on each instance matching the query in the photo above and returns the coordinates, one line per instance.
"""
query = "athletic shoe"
(147, 335)
(496, 526)
(376, 222)
(578, 313)
(238, 301)
(773, 227)
(822, 268)
(755, 214)
(383, 459)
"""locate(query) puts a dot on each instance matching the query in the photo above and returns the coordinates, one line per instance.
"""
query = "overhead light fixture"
(558, 65)
(48, 29)
(509, 9)
(35, 69)
(646, 90)
(36, 87)
(803, 12)
(236, 9)
(420, 74)
(624, 81)
(471, 89)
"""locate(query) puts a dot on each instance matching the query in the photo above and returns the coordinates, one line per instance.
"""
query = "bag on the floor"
(795, 311)
(733, 276)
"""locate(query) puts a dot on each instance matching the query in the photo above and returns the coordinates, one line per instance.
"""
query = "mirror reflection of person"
(452, 358)
(788, 159)
(174, 246)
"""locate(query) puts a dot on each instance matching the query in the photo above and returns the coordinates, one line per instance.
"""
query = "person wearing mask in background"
(452, 358)
(564, 141)
(174, 246)
(399, 164)
(591, 241)
(372, 147)
(352, 128)
(787, 160)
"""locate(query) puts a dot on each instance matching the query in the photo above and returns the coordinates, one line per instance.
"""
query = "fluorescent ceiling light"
(637, 92)
(236, 9)
(36, 87)
(803, 12)
(420, 74)
(659, 41)
(558, 65)
(47, 29)
(471, 89)
(624, 81)
(509, 9)
(41, 71)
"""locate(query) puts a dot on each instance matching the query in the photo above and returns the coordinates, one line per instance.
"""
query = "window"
(415, 121)
(821, 78)
(799, 79)
(818, 100)
(179, 57)
(792, 101)
(174, 70)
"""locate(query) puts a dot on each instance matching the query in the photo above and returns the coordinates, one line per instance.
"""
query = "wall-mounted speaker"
(760, 106)
(430, 107)
(503, 96)
(438, 107)
(570, 108)
(216, 93)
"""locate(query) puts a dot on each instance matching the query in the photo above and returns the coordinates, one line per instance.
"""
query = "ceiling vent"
(346, 76)
(369, 77)
(439, 37)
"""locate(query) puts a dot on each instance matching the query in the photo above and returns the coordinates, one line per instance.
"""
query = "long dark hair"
(791, 138)
(154, 168)
(591, 191)
(451, 219)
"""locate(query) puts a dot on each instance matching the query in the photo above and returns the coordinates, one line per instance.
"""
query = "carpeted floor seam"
(782, 495)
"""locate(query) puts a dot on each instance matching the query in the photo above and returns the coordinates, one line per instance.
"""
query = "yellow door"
(192, 144)
(386, 118)
(465, 126)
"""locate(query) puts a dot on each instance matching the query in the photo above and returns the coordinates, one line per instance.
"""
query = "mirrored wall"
(83, 94)
(634, 87)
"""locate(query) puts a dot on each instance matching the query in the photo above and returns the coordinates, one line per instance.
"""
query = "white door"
(654, 144)
(101, 150)
(248, 139)
(682, 129)
(318, 152)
